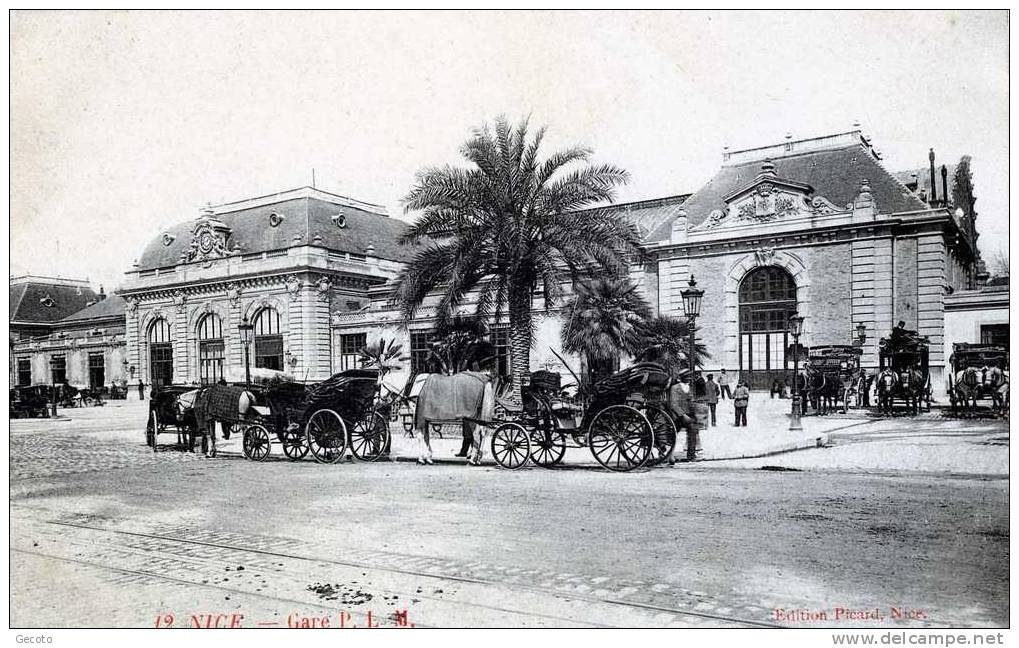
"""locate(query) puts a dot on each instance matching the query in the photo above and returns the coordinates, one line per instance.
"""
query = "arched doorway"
(767, 297)
(160, 353)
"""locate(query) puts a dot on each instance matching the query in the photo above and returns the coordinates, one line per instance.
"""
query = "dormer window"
(47, 301)
(339, 220)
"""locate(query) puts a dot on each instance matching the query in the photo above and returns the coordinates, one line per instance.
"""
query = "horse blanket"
(219, 403)
(450, 398)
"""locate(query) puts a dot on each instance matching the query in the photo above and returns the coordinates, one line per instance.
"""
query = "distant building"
(63, 332)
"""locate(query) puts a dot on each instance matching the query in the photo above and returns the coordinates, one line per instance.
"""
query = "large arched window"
(210, 348)
(160, 353)
(268, 340)
(767, 297)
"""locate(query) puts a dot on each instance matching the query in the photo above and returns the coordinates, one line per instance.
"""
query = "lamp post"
(692, 296)
(53, 391)
(796, 328)
(246, 330)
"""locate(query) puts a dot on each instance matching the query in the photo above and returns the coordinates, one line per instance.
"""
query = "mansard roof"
(304, 216)
(832, 171)
(112, 306)
(47, 300)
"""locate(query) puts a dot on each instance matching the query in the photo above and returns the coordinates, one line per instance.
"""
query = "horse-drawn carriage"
(623, 420)
(30, 401)
(903, 371)
(978, 372)
(323, 418)
(832, 376)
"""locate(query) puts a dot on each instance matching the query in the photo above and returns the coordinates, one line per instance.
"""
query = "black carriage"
(904, 371)
(324, 418)
(623, 420)
(978, 372)
(171, 410)
(31, 401)
(832, 374)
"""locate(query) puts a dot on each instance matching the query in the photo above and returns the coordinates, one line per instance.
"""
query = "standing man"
(682, 409)
(711, 392)
(741, 400)
(723, 385)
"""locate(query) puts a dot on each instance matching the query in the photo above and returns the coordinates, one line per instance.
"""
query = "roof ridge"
(796, 154)
(648, 202)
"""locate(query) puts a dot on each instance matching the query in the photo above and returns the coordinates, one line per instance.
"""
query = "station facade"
(816, 227)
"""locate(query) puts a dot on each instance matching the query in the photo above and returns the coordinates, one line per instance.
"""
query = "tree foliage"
(509, 223)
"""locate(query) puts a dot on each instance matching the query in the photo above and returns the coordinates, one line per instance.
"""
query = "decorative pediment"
(768, 198)
(209, 238)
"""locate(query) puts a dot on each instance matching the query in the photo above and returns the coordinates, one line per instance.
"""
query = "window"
(58, 369)
(421, 351)
(268, 340)
(500, 340)
(24, 372)
(96, 370)
(350, 350)
(210, 349)
(160, 353)
(994, 334)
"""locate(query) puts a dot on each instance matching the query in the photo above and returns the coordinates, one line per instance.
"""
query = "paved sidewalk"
(767, 431)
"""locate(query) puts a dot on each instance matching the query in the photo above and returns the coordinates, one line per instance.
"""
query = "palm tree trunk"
(520, 343)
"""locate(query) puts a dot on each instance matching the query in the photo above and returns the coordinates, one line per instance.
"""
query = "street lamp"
(795, 329)
(692, 296)
(861, 334)
(246, 330)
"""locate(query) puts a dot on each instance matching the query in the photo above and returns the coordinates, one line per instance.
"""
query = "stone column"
(233, 347)
(930, 302)
(133, 346)
(863, 301)
(884, 298)
(180, 338)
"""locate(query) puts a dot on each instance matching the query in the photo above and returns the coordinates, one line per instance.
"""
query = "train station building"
(815, 226)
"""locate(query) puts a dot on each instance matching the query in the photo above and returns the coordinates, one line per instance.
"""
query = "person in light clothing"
(740, 401)
(723, 385)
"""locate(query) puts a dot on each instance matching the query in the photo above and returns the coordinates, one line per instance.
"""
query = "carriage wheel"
(620, 438)
(510, 445)
(664, 434)
(256, 443)
(326, 435)
(369, 437)
(294, 446)
(548, 443)
(151, 430)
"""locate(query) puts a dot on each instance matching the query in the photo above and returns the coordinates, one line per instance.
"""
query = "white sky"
(125, 123)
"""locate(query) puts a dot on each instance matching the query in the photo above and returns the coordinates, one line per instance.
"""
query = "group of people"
(709, 392)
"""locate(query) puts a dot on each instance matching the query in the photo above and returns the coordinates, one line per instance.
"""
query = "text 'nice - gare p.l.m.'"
(816, 227)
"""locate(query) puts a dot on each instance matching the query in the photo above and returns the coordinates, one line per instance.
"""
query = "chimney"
(944, 184)
(934, 186)
(102, 295)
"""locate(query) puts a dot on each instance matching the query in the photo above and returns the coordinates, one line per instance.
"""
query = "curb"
(818, 442)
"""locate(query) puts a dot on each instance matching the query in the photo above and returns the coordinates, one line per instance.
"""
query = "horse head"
(887, 380)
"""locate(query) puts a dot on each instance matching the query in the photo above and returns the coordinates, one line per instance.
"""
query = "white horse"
(467, 397)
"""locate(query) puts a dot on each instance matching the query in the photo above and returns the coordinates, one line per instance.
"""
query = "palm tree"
(462, 344)
(382, 355)
(507, 225)
(603, 320)
(666, 340)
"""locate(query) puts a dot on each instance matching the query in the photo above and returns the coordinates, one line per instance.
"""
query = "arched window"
(210, 348)
(767, 297)
(160, 353)
(268, 340)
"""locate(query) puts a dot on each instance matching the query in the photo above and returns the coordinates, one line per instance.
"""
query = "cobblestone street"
(120, 535)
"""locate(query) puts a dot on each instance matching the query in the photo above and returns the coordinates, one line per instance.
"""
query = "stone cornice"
(275, 280)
